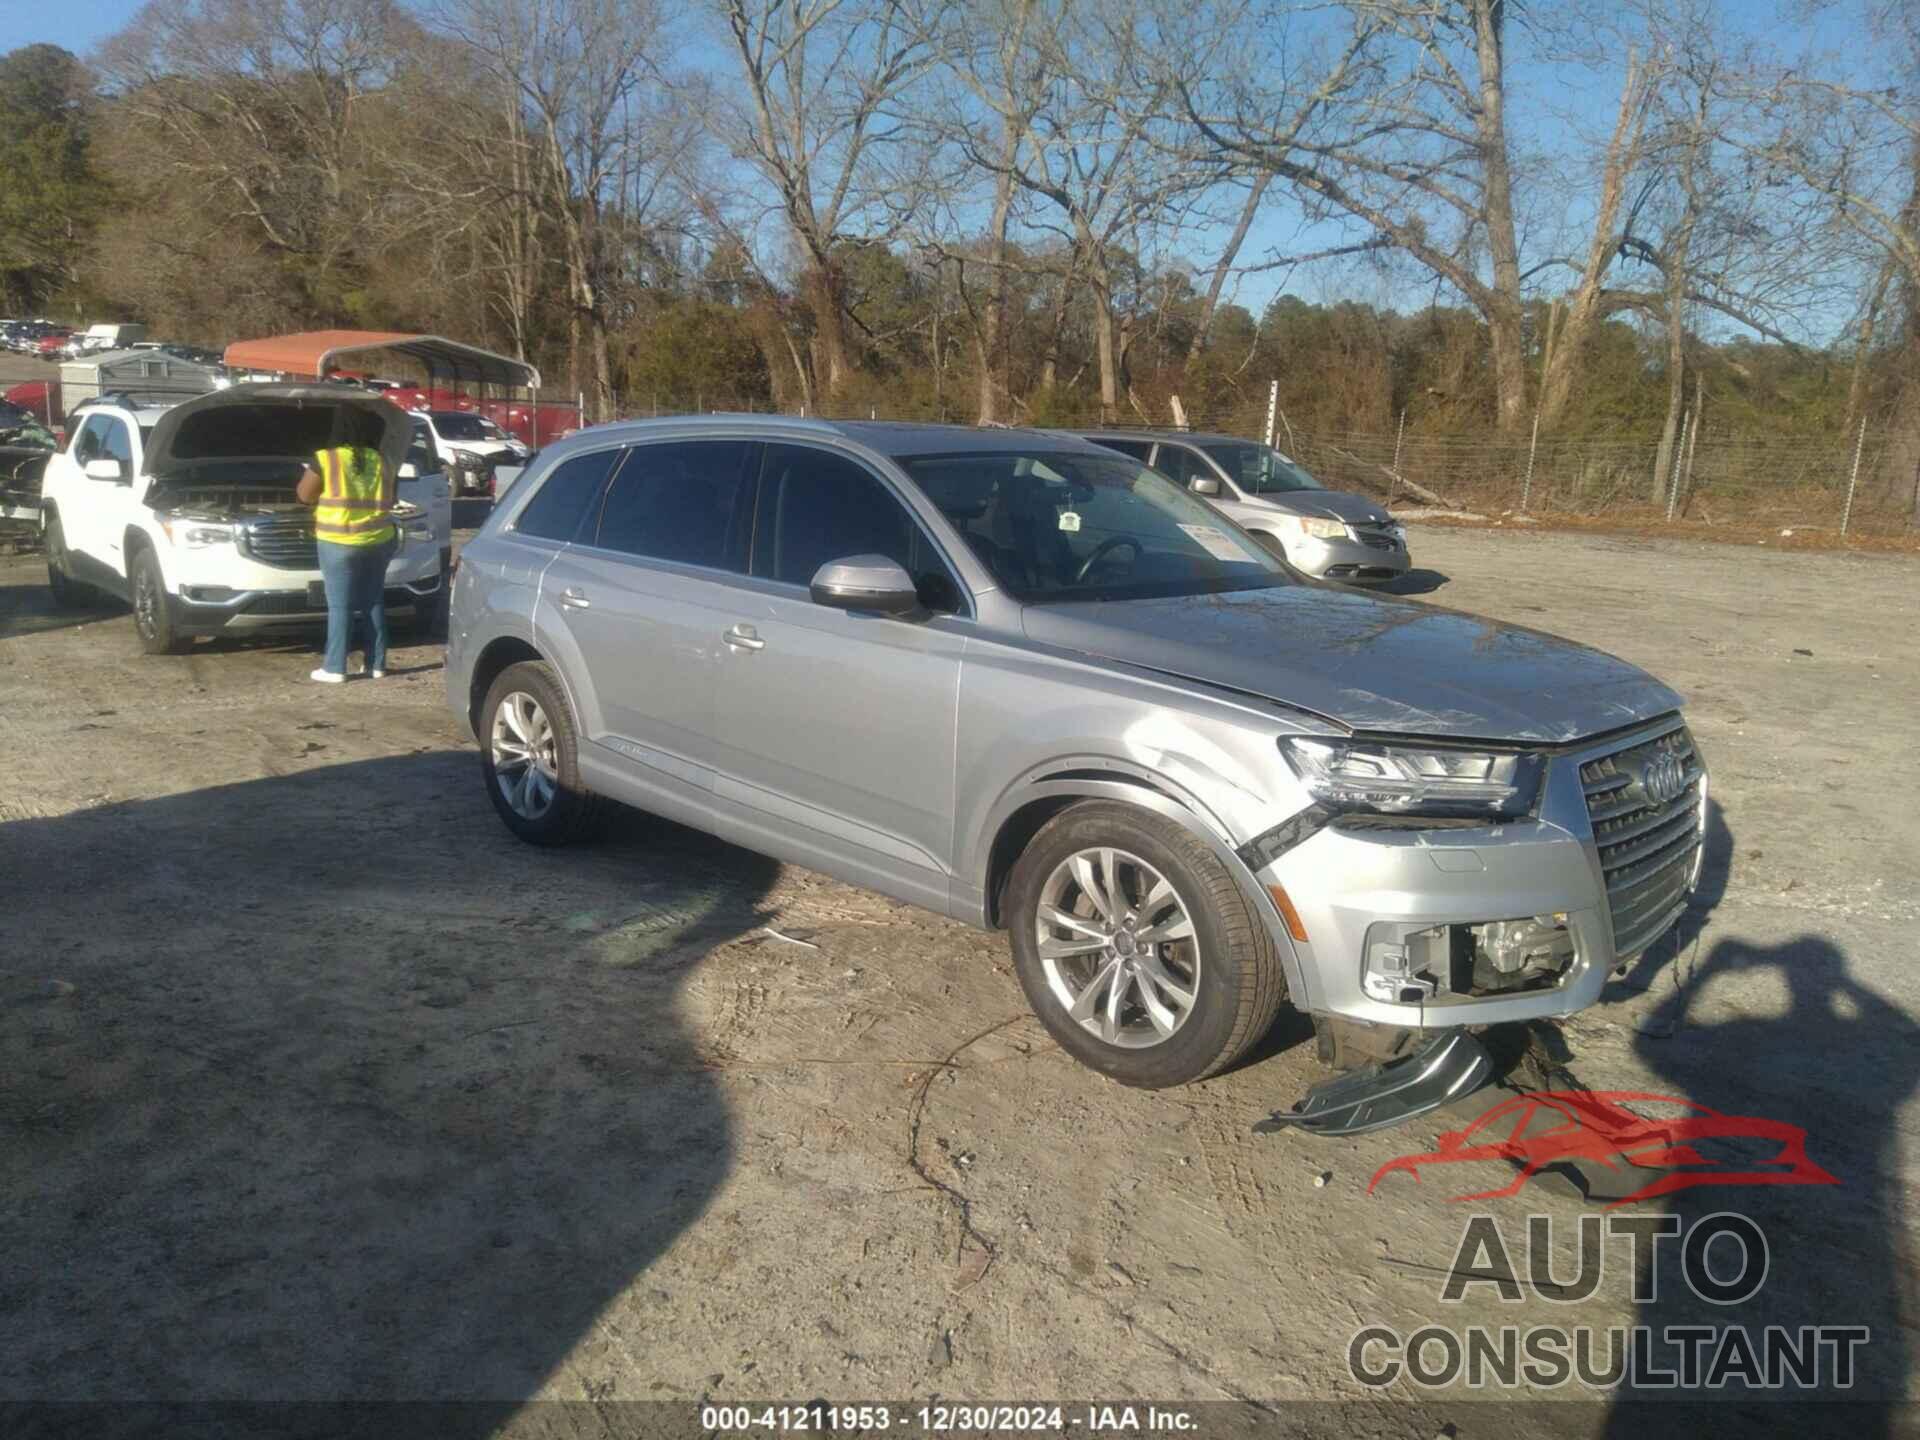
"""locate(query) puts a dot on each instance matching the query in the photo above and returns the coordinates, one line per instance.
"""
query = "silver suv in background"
(1033, 684)
(1329, 534)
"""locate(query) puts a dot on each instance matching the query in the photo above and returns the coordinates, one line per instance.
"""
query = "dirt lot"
(320, 1085)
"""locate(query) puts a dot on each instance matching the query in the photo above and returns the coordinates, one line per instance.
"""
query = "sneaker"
(376, 674)
(327, 677)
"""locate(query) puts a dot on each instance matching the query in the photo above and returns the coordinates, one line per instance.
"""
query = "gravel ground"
(319, 1085)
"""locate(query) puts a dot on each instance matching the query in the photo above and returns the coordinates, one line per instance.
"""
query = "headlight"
(1414, 779)
(1321, 529)
(196, 536)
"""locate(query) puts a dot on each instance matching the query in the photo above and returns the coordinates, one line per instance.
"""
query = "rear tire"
(530, 758)
(1189, 1004)
(153, 618)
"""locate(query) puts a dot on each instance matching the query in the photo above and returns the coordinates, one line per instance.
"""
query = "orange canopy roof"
(316, 353)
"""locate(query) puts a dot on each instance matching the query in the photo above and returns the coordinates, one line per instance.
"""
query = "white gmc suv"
(188, 512)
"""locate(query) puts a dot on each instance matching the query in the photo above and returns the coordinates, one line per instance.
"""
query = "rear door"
(837, 728)
(645, 595)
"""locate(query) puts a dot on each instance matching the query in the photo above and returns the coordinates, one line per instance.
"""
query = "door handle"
(574, 598)
(744, 637)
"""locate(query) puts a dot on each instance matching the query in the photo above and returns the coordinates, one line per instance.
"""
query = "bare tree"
(1075, 139)
(819, 82)
(263, 105)
(586, 77)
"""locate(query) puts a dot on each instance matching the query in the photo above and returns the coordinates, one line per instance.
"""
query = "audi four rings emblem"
(1664, 777)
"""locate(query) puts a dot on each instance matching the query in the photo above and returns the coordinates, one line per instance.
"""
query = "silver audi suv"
(1034, 685)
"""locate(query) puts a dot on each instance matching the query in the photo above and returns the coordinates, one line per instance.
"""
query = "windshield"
(1259, 469)
(1064, 526)
(458, 425)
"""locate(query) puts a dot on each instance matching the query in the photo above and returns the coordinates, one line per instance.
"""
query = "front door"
(646, 593)
(838, 728)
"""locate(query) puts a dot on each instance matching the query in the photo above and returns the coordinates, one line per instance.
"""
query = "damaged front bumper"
(1450, 1066)
(1418, 930)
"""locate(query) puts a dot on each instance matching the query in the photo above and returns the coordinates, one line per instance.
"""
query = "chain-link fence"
(1713, 479)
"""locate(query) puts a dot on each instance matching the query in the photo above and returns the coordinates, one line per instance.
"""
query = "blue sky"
(76, 25)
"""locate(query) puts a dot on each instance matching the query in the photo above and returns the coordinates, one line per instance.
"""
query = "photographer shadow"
(1839, 1062)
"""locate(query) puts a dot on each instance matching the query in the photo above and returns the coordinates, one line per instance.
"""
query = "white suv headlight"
(195, 534)
(1415, 779)
(1320, 528)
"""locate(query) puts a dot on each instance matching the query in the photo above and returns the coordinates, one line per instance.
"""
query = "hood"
(1338, 504)
(483, 447)
(270, 421)
(1368, 662)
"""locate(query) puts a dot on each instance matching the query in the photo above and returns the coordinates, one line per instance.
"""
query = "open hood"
(271, 422)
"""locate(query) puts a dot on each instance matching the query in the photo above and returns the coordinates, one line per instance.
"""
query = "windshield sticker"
(1070, 521)
(1214, 541)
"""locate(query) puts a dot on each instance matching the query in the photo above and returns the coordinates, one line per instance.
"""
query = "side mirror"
(103, 468)
(407, 471)
(1205, 485)
(870, 584)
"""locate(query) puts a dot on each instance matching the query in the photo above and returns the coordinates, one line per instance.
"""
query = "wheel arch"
(1030, 805)
(498, 654)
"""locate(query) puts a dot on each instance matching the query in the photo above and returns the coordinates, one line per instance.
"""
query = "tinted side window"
(685, 501)
(115, 444)
(1181, 463)
(566, 497)
(86, 444)
(1138, 449)
(420, 453)
(816, 506)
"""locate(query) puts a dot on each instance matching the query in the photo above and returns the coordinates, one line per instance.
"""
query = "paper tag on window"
(1070, 520)
(1215, 542)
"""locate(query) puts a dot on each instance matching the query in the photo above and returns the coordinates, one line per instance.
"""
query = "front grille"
(279, 602)
(1648, 848)
(283, 544)
(1380, 537)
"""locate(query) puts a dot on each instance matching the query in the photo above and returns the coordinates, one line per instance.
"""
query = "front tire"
(68, 593)
(530, 757)
(1137, 949)
(153, 618)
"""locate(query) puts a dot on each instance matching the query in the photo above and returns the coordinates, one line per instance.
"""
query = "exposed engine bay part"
(1433, 964)
(1450, 1065)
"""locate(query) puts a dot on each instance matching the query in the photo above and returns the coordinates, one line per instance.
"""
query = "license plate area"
(316, 594)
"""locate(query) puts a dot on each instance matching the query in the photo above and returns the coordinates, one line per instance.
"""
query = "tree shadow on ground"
(27, 608)
(324, 1087)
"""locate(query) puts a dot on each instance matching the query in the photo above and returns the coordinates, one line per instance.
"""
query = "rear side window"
(816, 506)
(565, 498)
(688, 502)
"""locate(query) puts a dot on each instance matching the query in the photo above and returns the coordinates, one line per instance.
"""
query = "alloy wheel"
(1118, 947)
(525, 754)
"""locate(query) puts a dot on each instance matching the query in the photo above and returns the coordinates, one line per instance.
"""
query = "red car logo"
(1556, 1127)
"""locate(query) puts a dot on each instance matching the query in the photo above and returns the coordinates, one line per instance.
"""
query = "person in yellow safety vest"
(352, 494)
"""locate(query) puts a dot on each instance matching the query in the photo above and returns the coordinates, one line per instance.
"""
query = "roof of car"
(1169, 433)
(892, 438)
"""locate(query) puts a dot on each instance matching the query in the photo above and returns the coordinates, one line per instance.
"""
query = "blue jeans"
(356, 581)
